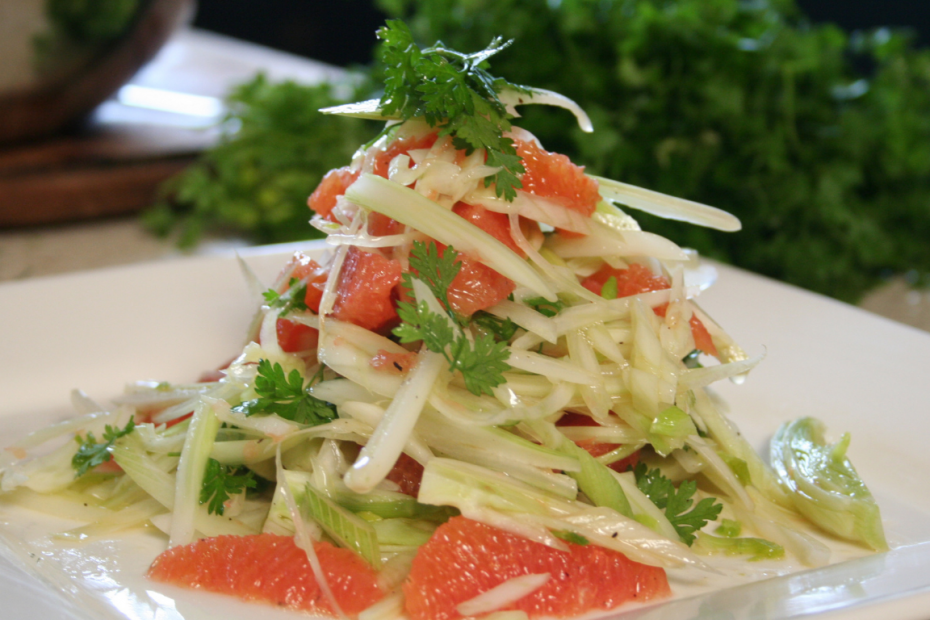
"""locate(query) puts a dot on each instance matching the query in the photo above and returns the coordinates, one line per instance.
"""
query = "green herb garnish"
(676, 502)
(286, 396)
(452, 91)
(481, 360)
(90, 453)
(572, 537)
(544, 306)
(291, 300)
(220, 482)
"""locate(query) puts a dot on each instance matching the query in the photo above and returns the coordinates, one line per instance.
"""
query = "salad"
(490, 396)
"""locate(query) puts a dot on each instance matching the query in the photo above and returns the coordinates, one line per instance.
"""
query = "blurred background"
(137, 129)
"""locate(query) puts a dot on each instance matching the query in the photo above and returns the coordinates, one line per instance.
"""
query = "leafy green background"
(818, 140)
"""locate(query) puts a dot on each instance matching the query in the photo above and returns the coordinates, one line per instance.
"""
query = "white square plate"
(172, 320)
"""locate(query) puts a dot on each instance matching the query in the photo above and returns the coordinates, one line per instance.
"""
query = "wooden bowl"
(54, 105)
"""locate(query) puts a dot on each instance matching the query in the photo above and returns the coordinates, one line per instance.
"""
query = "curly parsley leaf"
(90, 453)
(454, 92)
(220, 482)
(676, 502)
(436, 270)
(291, 300)
(502, 329)
(286, 396)
(481, 360)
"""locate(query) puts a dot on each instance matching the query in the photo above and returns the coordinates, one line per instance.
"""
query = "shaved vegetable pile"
(490, 394)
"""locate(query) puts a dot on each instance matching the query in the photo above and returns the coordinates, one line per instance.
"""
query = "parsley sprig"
(481, 359)
(286, 396)
(220, 482)
(291, 300)
(90, 453)
(454, 92)
(436, 270)
(676, 502)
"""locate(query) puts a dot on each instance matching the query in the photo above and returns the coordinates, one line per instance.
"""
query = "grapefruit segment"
(554, 176)
(270, 569)
(465, 558)
(365, 290)
(333, 185)
(637, 279)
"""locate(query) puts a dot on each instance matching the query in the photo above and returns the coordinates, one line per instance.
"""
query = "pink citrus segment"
(638, 279)
(270, 569)
(465, 558)
(333, 185)
(365, 291)
(401, 147)
(554, 176)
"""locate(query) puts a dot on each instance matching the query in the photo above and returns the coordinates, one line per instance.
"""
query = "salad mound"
(492, 364)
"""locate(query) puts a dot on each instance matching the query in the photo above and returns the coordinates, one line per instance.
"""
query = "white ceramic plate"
(172, 320)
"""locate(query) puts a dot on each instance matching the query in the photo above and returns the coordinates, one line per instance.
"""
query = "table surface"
(200, 63)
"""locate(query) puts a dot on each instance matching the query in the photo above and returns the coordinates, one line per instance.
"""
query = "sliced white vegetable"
(194, 455)
(409, 207)
(387, 442)
(541, 96)
(503, 594)
(665, 206)
(604, 241)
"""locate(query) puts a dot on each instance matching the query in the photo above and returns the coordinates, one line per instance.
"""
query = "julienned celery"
(387, 504)
(387, 515)
(411, 208)
(826, 488)
(756, 548)
(673, 422)
(596, 481)
(344, 527)
(403, 532)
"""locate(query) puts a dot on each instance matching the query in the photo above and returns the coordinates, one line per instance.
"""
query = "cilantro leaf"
(90, 453)
(676, 502)
(291, 300)
(454, 92)
(220, 482)
(286, 396)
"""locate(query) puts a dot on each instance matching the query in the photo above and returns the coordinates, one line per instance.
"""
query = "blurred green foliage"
(819, 141)
(257, 179)
(77, 28)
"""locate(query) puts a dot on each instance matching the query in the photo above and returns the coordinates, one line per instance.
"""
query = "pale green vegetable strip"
(756, 548)
(388, 439)
(665, 206)
(408, 207)
(347, 530)
(826, 488)
(596, 481)
(194, 455)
